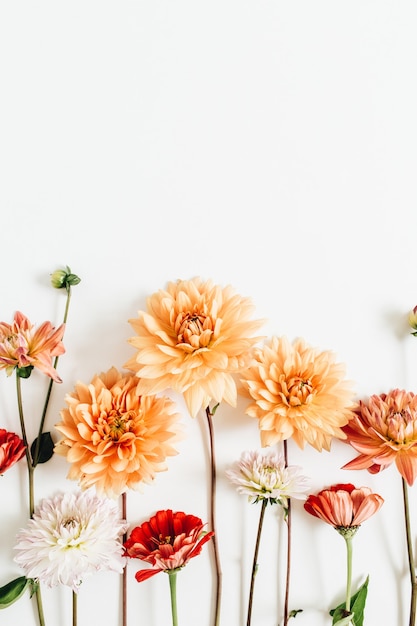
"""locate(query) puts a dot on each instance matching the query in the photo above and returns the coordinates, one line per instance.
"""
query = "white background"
(264, 144)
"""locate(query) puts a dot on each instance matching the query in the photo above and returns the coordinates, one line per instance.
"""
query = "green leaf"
(12, 591)
(294, 612)
(357, 606)
(46, 449)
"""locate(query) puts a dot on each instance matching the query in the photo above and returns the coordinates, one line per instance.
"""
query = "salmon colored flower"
(113, 438)
(12, 449)
(23, 346)
(344, 506)
(167, 541)
(194, 336)
(298, 392)
(384, 430)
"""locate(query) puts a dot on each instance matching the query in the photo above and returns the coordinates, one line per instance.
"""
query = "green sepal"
(12, 591)
(294, 612)
(46, 449)
(357, 606)
(24, 372)
(342, 618)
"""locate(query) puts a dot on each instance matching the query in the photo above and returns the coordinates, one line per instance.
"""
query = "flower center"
(298, 391)
(114, 425)
(194, 330)
(401, 428)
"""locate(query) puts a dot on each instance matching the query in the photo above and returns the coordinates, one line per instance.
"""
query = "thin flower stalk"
(348, 541)
(288, 564)
(255, 561)
(74, 608)
(411, 564)
(212, 516)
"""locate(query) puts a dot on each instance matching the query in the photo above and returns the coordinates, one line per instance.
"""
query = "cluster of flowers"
(118, 430)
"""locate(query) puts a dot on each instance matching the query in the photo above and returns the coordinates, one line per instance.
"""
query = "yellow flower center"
(194, 330)
(114, 425)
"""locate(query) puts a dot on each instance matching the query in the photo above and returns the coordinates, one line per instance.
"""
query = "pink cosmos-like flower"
(167, 541)
(383, 431)
(264, 476)
(344, 505)
(12, 449)
(22, 345)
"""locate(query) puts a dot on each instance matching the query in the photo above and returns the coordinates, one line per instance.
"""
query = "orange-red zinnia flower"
(113, 438)
(22, 345)
(12, 449)
(194, 336)
(298, 392)
(384, 430)
(167, 541)
(344, 505)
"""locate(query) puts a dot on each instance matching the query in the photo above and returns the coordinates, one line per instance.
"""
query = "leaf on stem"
(46, 449)
(357, 608)
(12, 591)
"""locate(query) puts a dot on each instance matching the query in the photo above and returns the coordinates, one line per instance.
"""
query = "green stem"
(255, 560)
(124, 575)
(348, 541)
(209, 415)
(49, 390)
(411, 564)
(74, 608)
(288, 569)
(30, 469)
(40, 606)
(173, 591)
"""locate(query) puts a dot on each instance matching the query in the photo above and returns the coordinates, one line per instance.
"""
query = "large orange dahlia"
(384, 430)
(193, 338)
(113, 438)
(298, 392)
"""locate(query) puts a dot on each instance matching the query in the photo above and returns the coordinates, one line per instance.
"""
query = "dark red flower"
(12, 449)
(168, 541)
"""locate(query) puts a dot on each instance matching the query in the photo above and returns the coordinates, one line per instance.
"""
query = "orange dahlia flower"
(12, 449)
(193, 338)
(298, 392)
(24, 346)
(384, 430)
(344, 506)
(113, 438)
(168, 541)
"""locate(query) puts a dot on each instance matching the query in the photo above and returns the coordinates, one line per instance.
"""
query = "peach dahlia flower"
(344, 506)
(24, 346)
(193, 338)
(113, 438)
(298, 392)
(384, 430)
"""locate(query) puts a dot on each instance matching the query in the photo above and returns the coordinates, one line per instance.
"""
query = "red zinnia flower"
(12, 449)
(344, 506)
(168, 541)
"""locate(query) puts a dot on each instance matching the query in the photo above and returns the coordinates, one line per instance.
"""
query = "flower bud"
(61, 279)
(412, 320)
